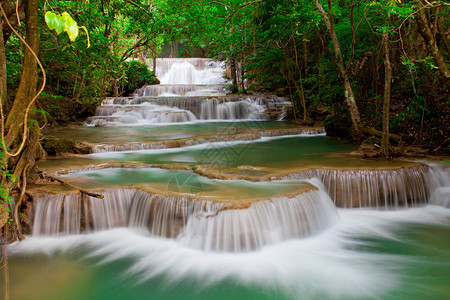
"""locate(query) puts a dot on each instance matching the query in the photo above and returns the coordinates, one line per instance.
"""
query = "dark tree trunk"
(234, 81)
(339, 61)
(154, 58)
(21, 163)
(430, 41)
(387, 96)
(3, 90)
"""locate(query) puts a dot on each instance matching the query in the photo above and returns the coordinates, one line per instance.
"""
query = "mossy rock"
(55, 146)
(137, 76)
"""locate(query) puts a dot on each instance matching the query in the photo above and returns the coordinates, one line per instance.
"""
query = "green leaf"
(58, 25)
(54, 22)
(67, 20)
(49, 18)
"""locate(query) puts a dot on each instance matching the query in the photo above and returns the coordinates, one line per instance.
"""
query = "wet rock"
(57, 146)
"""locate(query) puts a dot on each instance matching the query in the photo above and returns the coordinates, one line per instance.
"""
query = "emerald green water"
(275, 153)
(111, 135)
(370, 255)
(182, 182)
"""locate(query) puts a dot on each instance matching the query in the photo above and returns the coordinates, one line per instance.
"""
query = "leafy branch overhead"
(64, 22)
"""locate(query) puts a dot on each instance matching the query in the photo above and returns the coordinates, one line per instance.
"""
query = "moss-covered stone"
(55, 146)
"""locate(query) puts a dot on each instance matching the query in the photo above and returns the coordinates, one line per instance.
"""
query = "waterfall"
(383, 188)
(163, 110)
(178, 90)
(251, 136)
(198, 224)
(186, 77)
(191, 90)
(438, 182)
(190, 71)
(64, 214)
(264, 223)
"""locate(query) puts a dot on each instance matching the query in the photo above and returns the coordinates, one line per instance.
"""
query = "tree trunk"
(431, 44)
(242, 74)
(339, 61)
(387, 96)
(16, 117)
(299, 85)
(3, 90)
(154, 58)
(28, 80)
(233, 68)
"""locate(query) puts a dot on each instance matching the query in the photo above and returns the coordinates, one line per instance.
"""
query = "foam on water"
(210, 145)
(325, 266)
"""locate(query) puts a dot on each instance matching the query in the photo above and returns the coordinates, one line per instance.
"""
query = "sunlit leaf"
(72, 30)
(58, 25)
(67, 20)
(49, 17)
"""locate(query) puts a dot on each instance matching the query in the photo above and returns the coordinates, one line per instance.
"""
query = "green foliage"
(138, 75)
(6, 177)
(280, 45)
(63, 22)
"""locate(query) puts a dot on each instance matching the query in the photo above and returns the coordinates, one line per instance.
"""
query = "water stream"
(207, 197)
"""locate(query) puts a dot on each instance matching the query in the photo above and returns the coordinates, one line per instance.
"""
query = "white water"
(382, 189)
(196, 224)
(191, 90)
(166, 111)
(187, 77)
(190, 71)
(200, 146)
(326, 266)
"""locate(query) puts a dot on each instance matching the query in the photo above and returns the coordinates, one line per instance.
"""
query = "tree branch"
(81, 190)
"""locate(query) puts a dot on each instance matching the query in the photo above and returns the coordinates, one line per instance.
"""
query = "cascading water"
(178, 238)
(204, 225)
(190, 90)
(391, 188)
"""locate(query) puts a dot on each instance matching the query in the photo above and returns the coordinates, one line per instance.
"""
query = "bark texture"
(387, 96)
(343, 74)
(14, 125)
(430, 41)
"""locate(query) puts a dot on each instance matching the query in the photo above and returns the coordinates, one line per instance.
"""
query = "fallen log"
(372, 131)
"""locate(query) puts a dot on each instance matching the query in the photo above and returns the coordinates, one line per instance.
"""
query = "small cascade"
(264, 223)
(65, 214)
(163, 110)
(190, 71)
(190, 90)
(178, 90)
(186, 77)
(136, 146)
(438, 182)
(198, 224)
(384, 188)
